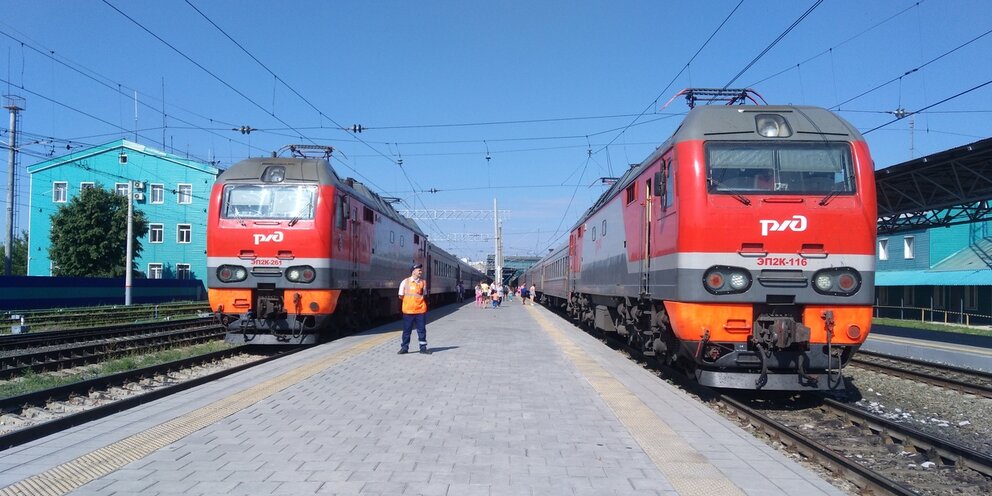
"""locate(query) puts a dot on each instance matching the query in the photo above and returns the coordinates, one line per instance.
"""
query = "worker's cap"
(417, 266)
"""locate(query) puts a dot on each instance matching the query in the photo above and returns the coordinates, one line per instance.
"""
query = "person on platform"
(413, 293)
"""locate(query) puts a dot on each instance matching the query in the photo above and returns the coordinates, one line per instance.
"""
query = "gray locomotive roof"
(736, 123)
(313, 170)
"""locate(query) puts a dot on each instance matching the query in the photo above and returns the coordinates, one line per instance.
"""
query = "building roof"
(122, 144)
(943, 189)
(934, 278)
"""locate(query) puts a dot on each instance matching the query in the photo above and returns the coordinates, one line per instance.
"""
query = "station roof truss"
(944, 189)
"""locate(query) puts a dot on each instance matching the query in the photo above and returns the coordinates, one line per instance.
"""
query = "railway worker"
(412, 293)
(523, 294)
(460, 289)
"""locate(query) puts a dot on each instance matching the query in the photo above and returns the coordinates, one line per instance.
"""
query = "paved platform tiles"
(512, 401)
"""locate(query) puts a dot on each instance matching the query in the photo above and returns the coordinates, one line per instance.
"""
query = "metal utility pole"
(498, 262)
(14, 104)
(129, 258)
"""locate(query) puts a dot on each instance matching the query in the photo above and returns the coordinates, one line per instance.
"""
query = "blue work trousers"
(409, 319)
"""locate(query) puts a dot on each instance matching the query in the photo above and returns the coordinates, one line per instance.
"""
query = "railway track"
(878, 455)
(62, 349)
(34, 415)
(964, 380)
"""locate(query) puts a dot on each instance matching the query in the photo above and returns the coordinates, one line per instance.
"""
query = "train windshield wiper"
(741, 198)
(299, 213)
(834, 191)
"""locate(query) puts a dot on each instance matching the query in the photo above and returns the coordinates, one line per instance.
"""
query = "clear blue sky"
(440, 84)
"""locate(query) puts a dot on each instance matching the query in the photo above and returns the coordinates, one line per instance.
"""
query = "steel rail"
(865, 478)
(949, 452)
(38, 431)
(946, 382)
(75, 354)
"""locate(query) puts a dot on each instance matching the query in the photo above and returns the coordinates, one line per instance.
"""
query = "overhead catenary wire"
(674, 78)
(907, 114)
(773, 43)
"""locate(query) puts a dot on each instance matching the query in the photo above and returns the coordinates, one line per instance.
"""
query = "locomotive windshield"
(787, 168)
(263, 201)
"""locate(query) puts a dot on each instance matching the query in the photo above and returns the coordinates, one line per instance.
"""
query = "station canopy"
(947, 188)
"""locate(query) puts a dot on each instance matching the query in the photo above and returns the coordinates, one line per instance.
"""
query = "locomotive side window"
(631, 194)
(255, 201)
(780, 167)
(340, 212)
(368, 215)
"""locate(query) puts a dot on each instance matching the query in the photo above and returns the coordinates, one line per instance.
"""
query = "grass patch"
(933, 326)
(34, 381)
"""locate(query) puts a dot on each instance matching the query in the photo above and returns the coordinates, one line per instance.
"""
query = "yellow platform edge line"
(660, 443)
(73, 474)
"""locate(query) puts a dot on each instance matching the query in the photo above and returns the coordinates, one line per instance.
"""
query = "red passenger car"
(742, 249)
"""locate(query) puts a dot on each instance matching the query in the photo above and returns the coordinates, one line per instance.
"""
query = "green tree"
(89, 235)
(19, 261)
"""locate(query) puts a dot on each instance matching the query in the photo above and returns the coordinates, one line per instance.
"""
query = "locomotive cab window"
(793, 168)
(264, 201)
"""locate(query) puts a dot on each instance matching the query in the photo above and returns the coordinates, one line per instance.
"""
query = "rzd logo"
(274, 237)
(796, 223)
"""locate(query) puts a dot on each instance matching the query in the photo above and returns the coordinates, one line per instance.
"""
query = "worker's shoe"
(402, 351)
(425, 351)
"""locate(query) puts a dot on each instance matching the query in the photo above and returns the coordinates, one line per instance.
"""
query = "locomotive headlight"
(839, 281)
(738, 280)
(772, 126)
(301, 273)
(721, 279)
(231, 273)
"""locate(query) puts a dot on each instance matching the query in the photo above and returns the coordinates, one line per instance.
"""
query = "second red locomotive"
(742, 249)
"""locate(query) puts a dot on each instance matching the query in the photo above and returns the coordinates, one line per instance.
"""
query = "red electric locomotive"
(742, 249)
(295, 253)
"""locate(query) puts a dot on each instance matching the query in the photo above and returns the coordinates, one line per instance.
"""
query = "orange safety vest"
(413, 296)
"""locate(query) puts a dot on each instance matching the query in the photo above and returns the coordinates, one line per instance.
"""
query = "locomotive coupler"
(777, 332)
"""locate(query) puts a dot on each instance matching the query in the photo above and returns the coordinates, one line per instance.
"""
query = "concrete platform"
(513, 401)
(960, 350)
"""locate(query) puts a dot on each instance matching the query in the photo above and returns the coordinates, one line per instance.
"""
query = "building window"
(185, 194)
(154, 271)
(85, 186)
(183, 233)
(156, 233)
(122, 189)
(183, 271)
(158, 193)
(60, 192)
(907, 247)
(883, 249)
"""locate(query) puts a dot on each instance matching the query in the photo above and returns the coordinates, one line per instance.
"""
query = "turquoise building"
(173, 192)
(940, 272)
